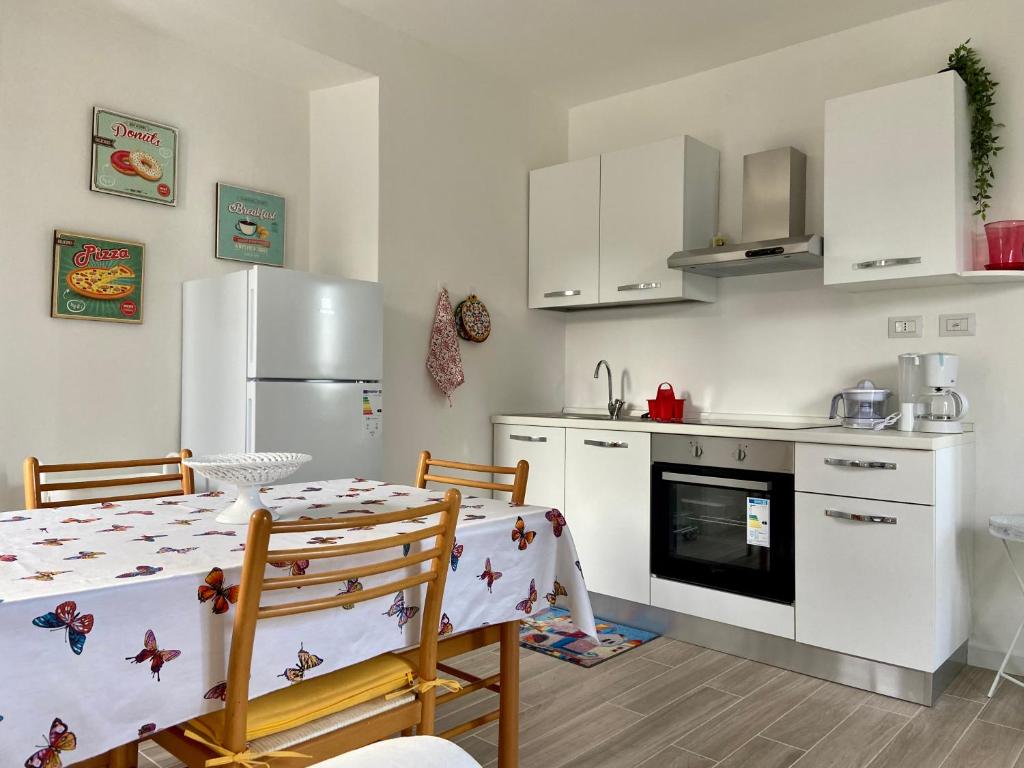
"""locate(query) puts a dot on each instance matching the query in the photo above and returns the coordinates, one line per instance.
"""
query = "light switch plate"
(961, 324)
(906, 327)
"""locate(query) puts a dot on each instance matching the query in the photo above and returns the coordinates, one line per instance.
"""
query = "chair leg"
(125, 756)
(508, 696)
(1000, 674)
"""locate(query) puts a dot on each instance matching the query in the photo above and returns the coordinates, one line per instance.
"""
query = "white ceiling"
(575, 51)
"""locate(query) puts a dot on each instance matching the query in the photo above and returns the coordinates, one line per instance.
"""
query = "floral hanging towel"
(444, 360)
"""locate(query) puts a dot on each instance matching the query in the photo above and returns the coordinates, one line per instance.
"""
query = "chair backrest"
(520, 473)
(35, 487)
(254, 583)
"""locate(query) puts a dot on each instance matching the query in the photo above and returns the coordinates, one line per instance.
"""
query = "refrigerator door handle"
(250, 417)
(251, 329)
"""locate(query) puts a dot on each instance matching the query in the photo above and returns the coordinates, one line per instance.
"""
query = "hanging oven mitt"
(444, 360)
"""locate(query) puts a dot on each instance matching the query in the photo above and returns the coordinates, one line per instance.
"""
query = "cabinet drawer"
(890, 474)
(544, 449)
(865, 578)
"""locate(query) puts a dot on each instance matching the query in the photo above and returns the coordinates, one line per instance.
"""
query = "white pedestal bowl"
(247, 471)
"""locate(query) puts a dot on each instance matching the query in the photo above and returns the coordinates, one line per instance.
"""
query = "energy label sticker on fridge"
(758, 514)
(373, 409)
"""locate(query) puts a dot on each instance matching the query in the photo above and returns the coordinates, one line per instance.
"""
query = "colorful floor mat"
(553, 633)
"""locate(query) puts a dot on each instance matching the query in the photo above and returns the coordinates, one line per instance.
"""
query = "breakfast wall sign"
(96, 278)
(250, 225)
(134, 157)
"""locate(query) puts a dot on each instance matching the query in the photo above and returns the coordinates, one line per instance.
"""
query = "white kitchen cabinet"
(544, 449)
(865, 578)
(564, 210)
(656, 199)
(608, 508)
(892, 474)
(898, 184)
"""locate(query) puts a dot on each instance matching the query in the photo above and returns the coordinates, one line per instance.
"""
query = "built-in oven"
(722, 514)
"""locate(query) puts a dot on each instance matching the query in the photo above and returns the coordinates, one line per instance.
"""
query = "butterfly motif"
(351, 585)
(175, 550)
(317, 506)
(405, 549)
(219, 691)
(239, 548)
(215, 533)
(298, 567)
(11, 558)
(373, 501)
(292, 498)
(85, 555)
(151, 537)
(345, 495)
(474, 517)
(557, 521)
(80, 520)
(152, 653)
(417, 520)
(181, 522)
(107, 505)
(325, 539)
(60, 740)
(145, 730)
(15, 519)
(471, 506)
(266, 489)
(169, 503)
(523, 536)
(143, 512)
(53, 542)
(400, 493)
(115, 528)
(43, 576)
(214, 589)
(201, 510)
(446, 627)
(527, 604)
(556, 592)
(489, 575)
(399, 609)
(456, 554)
(306, 661)
(75, 625)
(363, 528)
(212, 494)
(140, 570)
(311, 489)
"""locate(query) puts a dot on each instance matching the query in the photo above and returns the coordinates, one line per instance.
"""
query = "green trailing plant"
(981, 90)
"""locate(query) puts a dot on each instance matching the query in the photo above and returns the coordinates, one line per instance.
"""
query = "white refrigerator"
(279, 360)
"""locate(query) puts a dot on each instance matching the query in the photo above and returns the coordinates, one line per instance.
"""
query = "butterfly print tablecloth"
(115, 619)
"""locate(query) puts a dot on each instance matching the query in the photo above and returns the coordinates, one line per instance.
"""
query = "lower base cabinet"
(544, 449)
(865, 578)
(608, 509)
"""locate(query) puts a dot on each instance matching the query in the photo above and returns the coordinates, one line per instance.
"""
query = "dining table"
(115, 618)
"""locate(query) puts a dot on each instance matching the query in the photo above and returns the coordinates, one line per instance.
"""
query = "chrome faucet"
(614, 404)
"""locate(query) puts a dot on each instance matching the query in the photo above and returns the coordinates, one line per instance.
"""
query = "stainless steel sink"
(587, 416)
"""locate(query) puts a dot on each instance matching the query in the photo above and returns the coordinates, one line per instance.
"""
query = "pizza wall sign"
(134, 157)
(96, 278)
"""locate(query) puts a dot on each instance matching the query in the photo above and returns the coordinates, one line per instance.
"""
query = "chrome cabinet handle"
(860, 518)
(877, 263)
(528, 438)
(859, 464)
(698, 450)
(561, 294)
(606, 443)
(639, 286)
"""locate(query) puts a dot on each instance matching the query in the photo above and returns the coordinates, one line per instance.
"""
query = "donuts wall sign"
(250, 226)
(96, 278)
(134, 157)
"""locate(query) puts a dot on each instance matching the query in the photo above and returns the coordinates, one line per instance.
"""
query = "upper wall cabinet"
(602, 229)
(565, 206)
(897, 184)
(655, 200)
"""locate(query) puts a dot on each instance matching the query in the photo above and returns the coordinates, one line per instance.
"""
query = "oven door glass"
(725, 529)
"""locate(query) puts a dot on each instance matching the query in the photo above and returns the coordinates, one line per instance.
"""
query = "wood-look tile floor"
(669, 704)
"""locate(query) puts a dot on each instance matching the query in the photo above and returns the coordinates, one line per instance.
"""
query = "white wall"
(234, 127)
(344, 180)
(782, 344)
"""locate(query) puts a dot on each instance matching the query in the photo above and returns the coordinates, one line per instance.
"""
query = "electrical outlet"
(906, 327)
(957, 325)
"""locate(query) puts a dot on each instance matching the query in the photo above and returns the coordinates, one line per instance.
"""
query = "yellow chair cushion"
(315, 698)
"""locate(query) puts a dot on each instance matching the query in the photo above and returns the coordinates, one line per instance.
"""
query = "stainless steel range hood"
(774, 198)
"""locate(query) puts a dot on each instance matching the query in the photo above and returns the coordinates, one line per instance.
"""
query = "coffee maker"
(929, 401)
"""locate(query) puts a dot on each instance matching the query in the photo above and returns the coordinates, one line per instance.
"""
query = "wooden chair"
(35, 487)
(517, 487)
(353, 706)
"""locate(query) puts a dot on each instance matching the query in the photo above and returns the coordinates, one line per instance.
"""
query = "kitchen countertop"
(829, 435)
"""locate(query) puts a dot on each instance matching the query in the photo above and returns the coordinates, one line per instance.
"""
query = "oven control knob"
(697, 450)
(740, 454)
